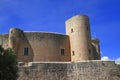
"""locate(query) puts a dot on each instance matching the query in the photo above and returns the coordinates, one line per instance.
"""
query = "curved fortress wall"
(78, 30)
(49, 46)
(37, 46)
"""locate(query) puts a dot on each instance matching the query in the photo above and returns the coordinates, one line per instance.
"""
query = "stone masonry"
(83, 70)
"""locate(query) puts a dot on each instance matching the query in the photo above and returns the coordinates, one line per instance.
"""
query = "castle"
(52, 56)
(76, 45)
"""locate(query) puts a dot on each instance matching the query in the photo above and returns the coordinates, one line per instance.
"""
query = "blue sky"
(50, 15)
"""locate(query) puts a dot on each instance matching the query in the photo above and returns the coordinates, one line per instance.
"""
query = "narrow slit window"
(62, 52)
(71, 30)
(73, 53)
(26, 51)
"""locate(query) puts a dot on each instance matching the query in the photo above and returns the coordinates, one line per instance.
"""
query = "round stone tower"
(78, 30)
(19, 43)
(14, 38)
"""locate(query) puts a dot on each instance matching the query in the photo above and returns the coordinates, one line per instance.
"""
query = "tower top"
(78, 17)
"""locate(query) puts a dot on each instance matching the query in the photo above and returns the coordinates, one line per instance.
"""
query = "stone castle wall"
(47, 46)
(41, 46)
(84, 70)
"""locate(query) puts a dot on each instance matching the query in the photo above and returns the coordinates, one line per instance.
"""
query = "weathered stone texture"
(78, 29)
(18, 42)
(47, 46)
(84, 70)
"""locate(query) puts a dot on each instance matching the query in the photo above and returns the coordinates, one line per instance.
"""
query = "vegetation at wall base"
(8, 64)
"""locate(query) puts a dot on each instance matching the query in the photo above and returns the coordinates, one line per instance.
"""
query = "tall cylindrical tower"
(78, 30)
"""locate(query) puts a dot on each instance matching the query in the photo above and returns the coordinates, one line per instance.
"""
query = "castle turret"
(96, 48)
(19, 43)
(80, 39)
(14, 38)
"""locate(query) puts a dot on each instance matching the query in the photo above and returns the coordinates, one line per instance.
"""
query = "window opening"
(26, 51)
(62, 52)
(73, 53)
(71, 30)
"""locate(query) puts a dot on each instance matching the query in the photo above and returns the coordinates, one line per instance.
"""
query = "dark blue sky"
(50, 15)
